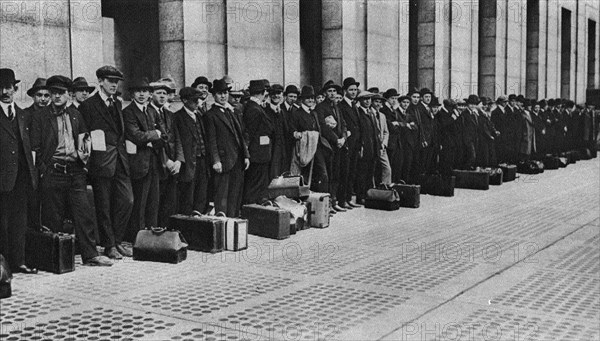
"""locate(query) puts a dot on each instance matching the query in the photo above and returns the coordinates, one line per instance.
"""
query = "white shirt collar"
(190, 113)
(142, 107)
(225, 106)
(6, 106)
(103, 96)
(287, 106)
(305, 108)
(501, 108)
(256, 100)
(348, 100)
(155, 107)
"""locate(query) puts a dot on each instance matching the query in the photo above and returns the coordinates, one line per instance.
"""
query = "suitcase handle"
(46, 229)
(221, 214)
(158, 230)
(196, 214)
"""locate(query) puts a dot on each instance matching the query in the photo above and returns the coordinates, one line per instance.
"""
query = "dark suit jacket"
(9, 159)
(351, 120)
(324, 110)
(140, 129)
(369, 135)
(172, 149)
(44, 135)
(97, 117)
(420, 116)
(449, 129)
(470, 128)
(190, 141)
(225, 142)
(391, 116)
(258, 124)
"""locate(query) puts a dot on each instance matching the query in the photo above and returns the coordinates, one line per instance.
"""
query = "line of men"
(146, 162)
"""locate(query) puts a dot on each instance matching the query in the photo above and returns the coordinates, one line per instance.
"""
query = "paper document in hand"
(264, 140)
(131, 147)
(98, 140)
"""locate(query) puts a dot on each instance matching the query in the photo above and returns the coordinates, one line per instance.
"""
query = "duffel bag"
(386, 199)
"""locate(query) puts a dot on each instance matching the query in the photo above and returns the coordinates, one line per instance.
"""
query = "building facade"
(539, 48)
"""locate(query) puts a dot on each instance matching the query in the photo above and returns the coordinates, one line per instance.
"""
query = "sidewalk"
(518, 262)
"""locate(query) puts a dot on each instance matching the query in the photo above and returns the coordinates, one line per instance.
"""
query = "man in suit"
(414, 119)
(40, 95)
(369, 144)
(260, 129)
(109, 163)
(425, 150)
(289, 105)
(470, 118)
(280, 159)
(513, 120)
(500, 121)
(228, 151)
(333, 129)
(450, 135)
(383, 170)
(527, 143)
(80, 91)
(172, 153)
(203, 85)
(194, 174)
(391, 111)
(349, 156)
(143, 131)
(485, 151)
(60, 140)
(17, 174)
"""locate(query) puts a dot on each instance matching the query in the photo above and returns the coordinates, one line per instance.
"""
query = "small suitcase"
(267, 221)
(236, 232)
(202, 233)
(386, 199)
(298, 212)
(530, 167)
(320, 205)
(437, 184)
(49, 251)
(472, 179)
(496, 176)
(160, 245)
(509, 172)
(410, 195)
(290, 186)
(585, 154)
(5, 279)
(551, 162)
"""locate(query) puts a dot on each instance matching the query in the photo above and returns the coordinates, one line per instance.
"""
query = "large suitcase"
(386, 199)
(202, 233)
(496, 176)
(5, 279)
(410, 195)
(509, 172)
(320, 205)
(437, 185)
(551, 162)
(160, 245)
(472, 179)
(267, 221)
(585, 153)
(236, 232)
(530, 167)
(290, 186)
(49, 251)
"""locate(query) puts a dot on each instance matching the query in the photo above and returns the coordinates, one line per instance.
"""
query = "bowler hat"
(348, 82)
(543, 103)
(39, 84)
(307, 92)
(512, 97)
(140, 85)
(413, 91)
(473, 99)
(426, 91)
(267, 83)
(291, 89)
(275, 89)
(7, 77)
(189, 93)
(391, 93)
(330, 84)
(365, 95)
(449, 103)
(219, 85)
(201, 80)
(435, 102)
(403, 98)
(59, 83)
(521, 99)
(81, 84)
(109, 72)
(256, 86)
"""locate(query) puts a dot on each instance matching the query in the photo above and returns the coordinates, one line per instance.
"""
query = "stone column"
(290, 14)
(86, 38)
(383, 44)
(463, 53)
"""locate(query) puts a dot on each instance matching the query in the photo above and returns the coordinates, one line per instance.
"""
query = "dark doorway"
(413, 44)
(533, 48)
(311, 43)
(591, 74)
(565, 54)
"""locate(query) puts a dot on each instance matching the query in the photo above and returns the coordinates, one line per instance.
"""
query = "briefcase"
(571, 157)
(50, 251)
(267, 221)
(298, 211)
(472, 179)
(5, 279)
(320, 205)
(551, 162)
(509, 172)
(437, 184)
(202, 233)
(290, 186)
(386, 199)
(158, 244)
(236, 232)
(496, 176)
(410, 195)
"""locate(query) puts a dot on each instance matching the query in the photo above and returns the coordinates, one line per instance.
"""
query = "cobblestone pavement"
(518, 262)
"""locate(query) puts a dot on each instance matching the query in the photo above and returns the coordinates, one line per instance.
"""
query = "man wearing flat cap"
(228, 151)
(109, 163)
(195, 173)
(18, 175)
(260, 130)
(143, 131)
(80, 91)
(349, 156)
(203, 85)
(61, 142)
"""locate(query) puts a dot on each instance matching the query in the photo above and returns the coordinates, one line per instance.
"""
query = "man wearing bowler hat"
(500, 121)
(280, 158)
(369, 144)
(80, 91)
(109, 163)
(425, 150)
(260, 129)
(228, 151)
(61, 142)
(470, 118)
(203, 85)
(17, 174)
(350, 156)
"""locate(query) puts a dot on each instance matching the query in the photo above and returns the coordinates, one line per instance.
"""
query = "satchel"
(382, 199)
(161, 245)
(5, 278)
(291, 186)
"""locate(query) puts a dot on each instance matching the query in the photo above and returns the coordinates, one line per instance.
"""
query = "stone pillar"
(86, 38)
(383, 44)
(552, 49)
(463, 52)
(290, 14)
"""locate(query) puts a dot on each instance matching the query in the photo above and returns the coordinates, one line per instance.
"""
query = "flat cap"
(110, 72)
(59, 82)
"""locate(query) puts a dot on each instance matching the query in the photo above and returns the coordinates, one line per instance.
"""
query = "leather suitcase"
(290, 186)
(202, 233)
(585, 154)
(320, 205)
(410, 195)
(236, 233)
(475, 179)
(437, 185)
(551, 162)
(496, 176)
(267, 221)
(509, 172)
(386, 199)
(160, 245)
(298, 212)
(530, 167)
(5, 279)
(49, 251)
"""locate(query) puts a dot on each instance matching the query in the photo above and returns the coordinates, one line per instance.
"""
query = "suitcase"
(158, 244)
(475, 179)
(509, 172)
(496, 176)
(585, 154)
(410, 195)
(5, 279)
(236, 232)
(298, 212)
(320, 205)
(551, 162)
(386, 199)
(49, 251)
(530, 167)
(438, 185)
(570, 157)
(290, 186)
(202, 233)
(267, 221)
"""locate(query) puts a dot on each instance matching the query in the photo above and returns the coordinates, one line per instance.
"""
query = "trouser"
(193, 195)
(408, 155)
(13, 220)
(114, 202)
(62, 193)
(334, 174)
(366, 169)
(352, 169)
(383, 172)
(344, 190)
(320, 179)
(396, 163)
(168, 199)
(146, 195)
(229, 187)
(256, 181)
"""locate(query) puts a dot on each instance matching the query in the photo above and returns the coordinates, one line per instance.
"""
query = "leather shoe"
(24, 269)
(98, 261)
(125, 251)
(351, 204)
(111, 252)
(332, 211)
(346, 206)
(338, 208)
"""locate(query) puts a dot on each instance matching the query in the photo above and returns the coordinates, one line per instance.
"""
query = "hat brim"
(32, 91)
(140, 88)
(162, 87)
(83, 88)
(214, 91)
(119, 78)
(57, 87)
(351, 84)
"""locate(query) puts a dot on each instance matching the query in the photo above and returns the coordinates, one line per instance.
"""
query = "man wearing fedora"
(143, 131)
(260, 129)
(194, 174)
(17, 174)
(470, 118)
(369, 146)
(80, 91)
(280, 159)
(391, 110)
(61, 157)
(203, 85)
(109, 163)
(349, 157)
(40, 95)
(228, 151)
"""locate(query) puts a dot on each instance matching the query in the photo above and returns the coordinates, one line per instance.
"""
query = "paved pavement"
(518, 262)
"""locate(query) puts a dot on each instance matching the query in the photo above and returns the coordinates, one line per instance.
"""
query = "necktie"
(11, 115)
